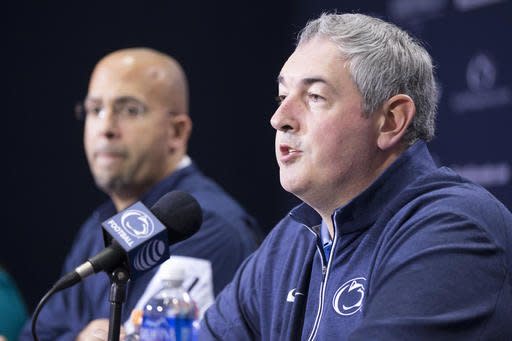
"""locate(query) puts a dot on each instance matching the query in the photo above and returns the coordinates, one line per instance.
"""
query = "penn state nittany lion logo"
(137, 223)
(348, 299)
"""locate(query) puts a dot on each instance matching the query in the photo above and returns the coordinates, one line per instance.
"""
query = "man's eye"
(131, 110)
(93, 110)
(315, 97)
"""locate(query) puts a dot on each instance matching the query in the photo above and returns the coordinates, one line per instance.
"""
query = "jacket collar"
(363, 210)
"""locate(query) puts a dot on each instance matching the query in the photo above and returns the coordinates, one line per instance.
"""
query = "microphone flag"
(141, 235)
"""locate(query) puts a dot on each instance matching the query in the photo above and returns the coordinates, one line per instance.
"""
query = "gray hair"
(383, 61)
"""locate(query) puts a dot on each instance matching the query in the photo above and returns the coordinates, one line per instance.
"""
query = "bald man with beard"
(137, 127)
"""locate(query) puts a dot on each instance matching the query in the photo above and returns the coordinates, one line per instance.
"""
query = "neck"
(128, 195)
(329, 223)
(348, 194)
(123, 200)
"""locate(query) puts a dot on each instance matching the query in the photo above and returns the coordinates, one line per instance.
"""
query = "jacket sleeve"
(65, 314)
(222, 243)
(56, 320)
(438, 277)
(234, 316)
(51, 325)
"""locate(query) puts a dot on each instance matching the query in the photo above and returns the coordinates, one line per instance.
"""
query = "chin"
(106, 182)
(293, 186)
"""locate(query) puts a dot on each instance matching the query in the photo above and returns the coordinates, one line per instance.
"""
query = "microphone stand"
(118, 278)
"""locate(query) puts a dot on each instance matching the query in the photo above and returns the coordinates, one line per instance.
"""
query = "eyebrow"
(305, 81)
(122, 99)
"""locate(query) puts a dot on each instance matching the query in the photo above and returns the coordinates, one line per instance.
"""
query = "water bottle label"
(154, 334)
(180, 328)
(170, 329)
(154, 329)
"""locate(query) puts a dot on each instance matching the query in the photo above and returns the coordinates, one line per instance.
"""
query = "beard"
(112, 184)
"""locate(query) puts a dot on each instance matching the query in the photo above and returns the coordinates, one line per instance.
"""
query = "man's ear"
(181, 127)
(398, 112)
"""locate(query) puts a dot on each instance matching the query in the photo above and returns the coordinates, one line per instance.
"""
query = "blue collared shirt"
(326, 239)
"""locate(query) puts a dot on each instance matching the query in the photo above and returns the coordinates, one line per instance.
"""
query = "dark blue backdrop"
(232, 53)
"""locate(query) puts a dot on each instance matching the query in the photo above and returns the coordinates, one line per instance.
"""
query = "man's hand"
(97, 330)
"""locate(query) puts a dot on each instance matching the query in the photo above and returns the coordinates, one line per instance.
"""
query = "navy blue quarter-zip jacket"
(421, 254)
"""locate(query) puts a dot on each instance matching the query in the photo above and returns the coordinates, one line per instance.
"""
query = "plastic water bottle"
(171, 314)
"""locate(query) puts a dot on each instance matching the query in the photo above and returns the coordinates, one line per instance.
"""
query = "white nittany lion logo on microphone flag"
(137, 223)
(142, 236)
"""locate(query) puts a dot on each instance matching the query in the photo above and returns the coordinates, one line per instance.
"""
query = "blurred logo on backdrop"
(482, 92)
(415, 13)
(487, 175)
(468, 5)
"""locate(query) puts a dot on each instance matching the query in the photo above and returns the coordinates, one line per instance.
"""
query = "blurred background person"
(13, 312)
(137, 127)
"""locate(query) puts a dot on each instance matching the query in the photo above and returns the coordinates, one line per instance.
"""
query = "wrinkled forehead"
(315, 58)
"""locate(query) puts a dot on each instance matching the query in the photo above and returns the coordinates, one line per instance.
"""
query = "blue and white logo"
(483, 90)
(292, 294)
(348, 299)
(137, 223)
(141, 235)
(149, 255)
(481, 73)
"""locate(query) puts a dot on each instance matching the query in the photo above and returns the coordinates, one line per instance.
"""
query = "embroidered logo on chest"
(348, 299)
(292, 294)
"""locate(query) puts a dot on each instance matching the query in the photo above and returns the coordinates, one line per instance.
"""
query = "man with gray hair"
(386, 245)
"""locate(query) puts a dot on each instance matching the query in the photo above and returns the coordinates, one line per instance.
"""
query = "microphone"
(139, 238)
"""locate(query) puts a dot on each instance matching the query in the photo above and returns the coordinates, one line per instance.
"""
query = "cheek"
(337, 144)
(328, 139)
(148, 143)
(276, 144)
(87, 139)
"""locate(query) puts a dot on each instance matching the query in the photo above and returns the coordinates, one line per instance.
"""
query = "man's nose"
(108, 122)
(285, 117)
